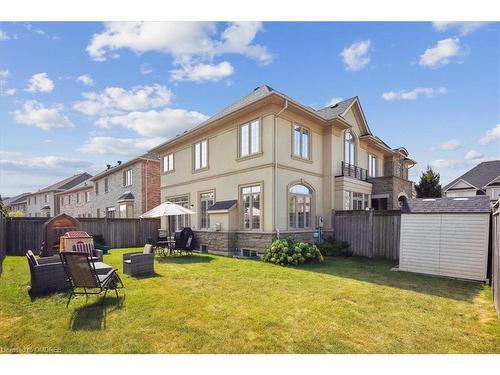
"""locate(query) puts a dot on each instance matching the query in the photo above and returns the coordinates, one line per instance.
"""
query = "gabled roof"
(17, 199)
(127, 196)
(82, 185)
(67, 183)
(480, 175)
(477, 204)
(337, 109)
(147, 156)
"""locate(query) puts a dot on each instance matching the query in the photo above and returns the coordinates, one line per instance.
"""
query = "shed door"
(454, 245)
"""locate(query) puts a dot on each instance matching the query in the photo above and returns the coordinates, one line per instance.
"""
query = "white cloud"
(333, 101)
(491, 135)
(46, 118)
(4, 73)
(86, 80)
(413, 94)
(146, 69)
(10, 91)
(451, 145)
(40, 83)
(473, 155)
(356, 56)
(165, 123)
(202, 72)
(464, 28)
(42, 164)
(442, 53)
(40, 32)
(114, 100)
(120, 146)
(4, 35)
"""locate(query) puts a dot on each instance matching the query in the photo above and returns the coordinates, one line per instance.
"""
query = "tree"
(428, 186)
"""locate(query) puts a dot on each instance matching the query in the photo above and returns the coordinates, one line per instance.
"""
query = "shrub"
(333, 248)
(289, 252)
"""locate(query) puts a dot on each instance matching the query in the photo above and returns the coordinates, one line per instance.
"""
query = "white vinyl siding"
(453, 245)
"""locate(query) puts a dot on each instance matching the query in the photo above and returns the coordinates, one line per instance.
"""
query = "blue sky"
(77, 96)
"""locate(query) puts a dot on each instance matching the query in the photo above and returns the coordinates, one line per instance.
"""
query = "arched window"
(299, 207)
(349, 148)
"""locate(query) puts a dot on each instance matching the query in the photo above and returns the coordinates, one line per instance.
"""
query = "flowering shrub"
(289, 252)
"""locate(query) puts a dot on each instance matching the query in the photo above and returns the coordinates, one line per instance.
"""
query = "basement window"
(204, 248)
(247, 253)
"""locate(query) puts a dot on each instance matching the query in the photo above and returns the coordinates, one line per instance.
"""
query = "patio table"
(102, 268)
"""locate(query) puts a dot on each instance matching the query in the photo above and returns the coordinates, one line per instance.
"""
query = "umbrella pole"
(169, 237)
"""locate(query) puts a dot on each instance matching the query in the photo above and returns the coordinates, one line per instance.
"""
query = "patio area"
(211, 304)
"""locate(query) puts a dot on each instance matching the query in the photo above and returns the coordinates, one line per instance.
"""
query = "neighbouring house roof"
(147, 156)
(82, 185)
(222, 205)
(335, 111)
(67, 183)
(480, 175)
(18, 199)
(127, 196)
(477, 204)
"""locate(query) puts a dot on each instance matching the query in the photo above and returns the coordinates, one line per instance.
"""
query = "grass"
(210, 304)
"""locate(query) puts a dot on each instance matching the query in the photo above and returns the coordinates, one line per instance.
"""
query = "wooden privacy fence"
(495, 264)
(3, 238)
(374, 234)
(26, 233)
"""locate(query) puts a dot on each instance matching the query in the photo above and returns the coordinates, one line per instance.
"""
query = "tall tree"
(428, 186)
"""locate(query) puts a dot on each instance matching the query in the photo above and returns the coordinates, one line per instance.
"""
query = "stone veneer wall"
(393, 186)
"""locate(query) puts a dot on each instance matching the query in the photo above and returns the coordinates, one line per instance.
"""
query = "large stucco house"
(43, 203)
(127, 190)
(268, 166)
(483, 179)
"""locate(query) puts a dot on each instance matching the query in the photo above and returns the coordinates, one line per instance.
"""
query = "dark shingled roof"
(17, 199)
(149, 156)
(336, 110)
(126, 196)
(67, 183)
(480, 175)
(222, 205)
(477, 204)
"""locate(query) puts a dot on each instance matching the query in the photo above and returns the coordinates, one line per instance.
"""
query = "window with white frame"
(106, 185)
(77, 197)
(301, 141)
(110, 212)
(87, 196)
(127, 177)
(200, 155)
(250, 138)
(349, 148)
(372, 165)
(206, 201)
(96, 188)
(299, 207)
(356, 201)
(168, 163)
(180, 221)
(69, 199)
(251, 203)
(126, 210)
(46, 198)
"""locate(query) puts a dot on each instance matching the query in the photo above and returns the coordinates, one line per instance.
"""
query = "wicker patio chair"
(139, 263)
(47, 275)
(82, 275)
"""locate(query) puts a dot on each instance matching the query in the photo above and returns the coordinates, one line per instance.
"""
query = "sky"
(77, 96)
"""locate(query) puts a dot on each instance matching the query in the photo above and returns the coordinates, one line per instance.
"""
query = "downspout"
(275, 171)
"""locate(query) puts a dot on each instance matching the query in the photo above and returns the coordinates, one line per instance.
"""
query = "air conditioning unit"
(217, 227)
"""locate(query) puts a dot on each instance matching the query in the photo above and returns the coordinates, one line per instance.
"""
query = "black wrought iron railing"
(354, 171)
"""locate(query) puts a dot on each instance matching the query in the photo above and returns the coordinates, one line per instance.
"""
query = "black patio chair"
(82, 275)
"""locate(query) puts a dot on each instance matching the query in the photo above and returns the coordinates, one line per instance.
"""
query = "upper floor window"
(106, 185)
(200, 155)
(62, 201)
(29, 201)
(250, 197)
(34, 198)
(69, 199)
(96, 188)
(77, 197)
(46, 198)
(206, 201)
(250, 138)
(87, 196)
(372, 165)
(301, 141)
(299, 207)
(168, 163)
(349, 148)
(127, 177)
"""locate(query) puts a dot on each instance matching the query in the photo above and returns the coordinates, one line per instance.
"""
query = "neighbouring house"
(17, 203)
(483, 179)
(77, 201)
(128, 189)
(268, 166)
(43, 203)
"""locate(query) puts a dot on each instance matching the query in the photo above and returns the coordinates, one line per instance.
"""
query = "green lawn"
(211, 304)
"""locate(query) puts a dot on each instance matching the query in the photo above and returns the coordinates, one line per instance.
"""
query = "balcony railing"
(353, 171)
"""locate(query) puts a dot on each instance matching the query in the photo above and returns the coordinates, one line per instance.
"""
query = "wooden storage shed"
(446, 237)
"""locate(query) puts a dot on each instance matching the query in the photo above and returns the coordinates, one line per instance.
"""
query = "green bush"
(289, 252)
(333, 248)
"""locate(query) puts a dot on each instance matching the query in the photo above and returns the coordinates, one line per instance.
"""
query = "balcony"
(349, 170)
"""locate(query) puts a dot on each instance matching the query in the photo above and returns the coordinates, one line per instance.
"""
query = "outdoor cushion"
(84, 248)
(148, 249)
(127, 261)
(32, 258)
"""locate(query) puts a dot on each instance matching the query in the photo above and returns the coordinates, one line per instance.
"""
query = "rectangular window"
(200, 155)
(127, 177)
(206, 201)
(126, 211)
(250, 138)
(180, 221)
(357, 201)
(247, 253)
(69, 199)
(300, 141)
(372, 165)
(98, 213)
(62, 201)
(87, 196)
(168, 163)
(29, 201)
(110, 212)
(35, 199)
(106, 185)
(46, 198)
(250, 197)
(77, 197)
(96, 188)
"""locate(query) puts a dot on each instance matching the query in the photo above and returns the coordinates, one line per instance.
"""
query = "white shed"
(446, 237)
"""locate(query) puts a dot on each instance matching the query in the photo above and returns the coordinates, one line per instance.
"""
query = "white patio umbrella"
(167, 209)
